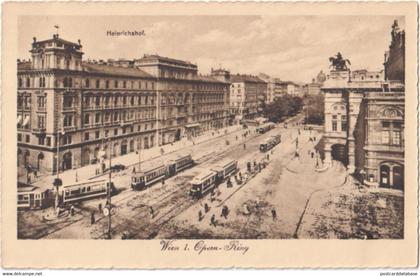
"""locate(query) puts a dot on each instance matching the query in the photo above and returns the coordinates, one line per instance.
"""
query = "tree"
(315, 109)
(282, 107)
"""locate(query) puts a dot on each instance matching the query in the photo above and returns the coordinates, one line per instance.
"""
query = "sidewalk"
(130, 159)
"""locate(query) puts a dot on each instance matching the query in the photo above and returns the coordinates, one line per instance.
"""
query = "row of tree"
(282, 107)
(314, 109)
(287, 105)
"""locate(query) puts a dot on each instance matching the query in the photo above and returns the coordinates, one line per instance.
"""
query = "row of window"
(68, 82)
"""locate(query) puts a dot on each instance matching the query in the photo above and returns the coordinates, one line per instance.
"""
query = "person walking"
(274, 214)
(213, 220)
(92, 217)
(152, 212)
(200, 215)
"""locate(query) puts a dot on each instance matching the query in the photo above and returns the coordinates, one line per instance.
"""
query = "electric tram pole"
(109, 191)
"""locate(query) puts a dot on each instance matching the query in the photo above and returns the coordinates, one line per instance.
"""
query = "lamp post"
(107, 209)
(57, 181)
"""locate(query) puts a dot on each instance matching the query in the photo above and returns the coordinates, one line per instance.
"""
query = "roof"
(24, 65)
(55, 38)
(245, 78)
(165, 59)
(104, 69)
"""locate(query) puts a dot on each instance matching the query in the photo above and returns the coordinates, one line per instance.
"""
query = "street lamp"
(107, 209)
(57, 181)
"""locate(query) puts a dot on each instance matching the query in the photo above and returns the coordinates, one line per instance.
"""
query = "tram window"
(88, 189)
(83, 189)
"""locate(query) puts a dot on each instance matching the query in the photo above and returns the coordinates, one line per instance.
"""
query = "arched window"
(65, 82)
(28, 82)
(70, 82)
(20, 82)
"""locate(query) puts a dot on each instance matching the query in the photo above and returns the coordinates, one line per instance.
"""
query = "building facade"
(82, 111)
(364, 126)
(247, 94)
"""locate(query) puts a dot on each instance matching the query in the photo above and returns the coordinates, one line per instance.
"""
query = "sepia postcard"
(209, 135)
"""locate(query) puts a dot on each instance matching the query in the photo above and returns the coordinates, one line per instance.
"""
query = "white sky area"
(292, 48)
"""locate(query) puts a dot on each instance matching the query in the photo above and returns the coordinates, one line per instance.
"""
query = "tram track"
(172, 194)
(175, 193)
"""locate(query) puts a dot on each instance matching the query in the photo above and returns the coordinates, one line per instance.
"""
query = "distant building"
(247, 93)
(364, 123)
(365, 75)
(272, 87)
(71, 108)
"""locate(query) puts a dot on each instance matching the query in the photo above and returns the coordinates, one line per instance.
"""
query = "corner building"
(82, 110)
(364, 122)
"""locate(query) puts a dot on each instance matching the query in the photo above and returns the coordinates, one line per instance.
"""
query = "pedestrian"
(92, 217)
(35, 173)
(200, 215)
(152, 212)
(268, 157)
(213, 220)
(236, 137)
(71, 210)
(163, 181)
(100, 208)
(244, 146)
(225, 212)
(134, 169)
(312, 154)
(246, 209)
(206, 208)
(274, 214)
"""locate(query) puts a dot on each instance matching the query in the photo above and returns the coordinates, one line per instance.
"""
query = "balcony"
(39, 130)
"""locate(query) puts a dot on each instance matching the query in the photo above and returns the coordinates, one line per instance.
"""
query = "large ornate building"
(364, 120)
(73, 108)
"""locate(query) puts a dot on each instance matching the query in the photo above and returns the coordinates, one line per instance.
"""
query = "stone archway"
(67, 163)
(391, 175)
(39, 160)
(85, 160)
(339, 153)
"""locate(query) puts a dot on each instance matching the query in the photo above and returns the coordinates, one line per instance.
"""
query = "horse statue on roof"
(338, 63)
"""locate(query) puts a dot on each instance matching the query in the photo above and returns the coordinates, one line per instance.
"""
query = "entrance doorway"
(39, 161)
(339, 153)
(392, 175)
(123, 149)
(67, 161)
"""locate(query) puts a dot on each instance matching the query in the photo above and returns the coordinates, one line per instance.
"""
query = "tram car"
(158, 171)
(225, 169)
(270, 143)
(86, 190)
(265, 127)
(208, 179)
(179, 164)
(31, 197)
(148, 176)
(204, 182)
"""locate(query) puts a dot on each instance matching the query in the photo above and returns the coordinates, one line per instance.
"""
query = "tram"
(266, 127)
(225, 168)
(270, 143)
(86, 190)
(159, 171)
(208, 179)
(203, 183)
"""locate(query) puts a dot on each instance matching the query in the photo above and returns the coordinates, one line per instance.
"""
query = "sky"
(292, 48)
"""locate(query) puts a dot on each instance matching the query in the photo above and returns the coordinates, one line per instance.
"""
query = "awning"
(26, 121)
(192, 125)
(19, 119)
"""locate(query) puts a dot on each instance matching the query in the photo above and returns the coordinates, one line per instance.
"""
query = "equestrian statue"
(338, 63)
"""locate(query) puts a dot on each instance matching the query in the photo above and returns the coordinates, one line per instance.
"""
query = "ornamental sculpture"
(338, 63)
